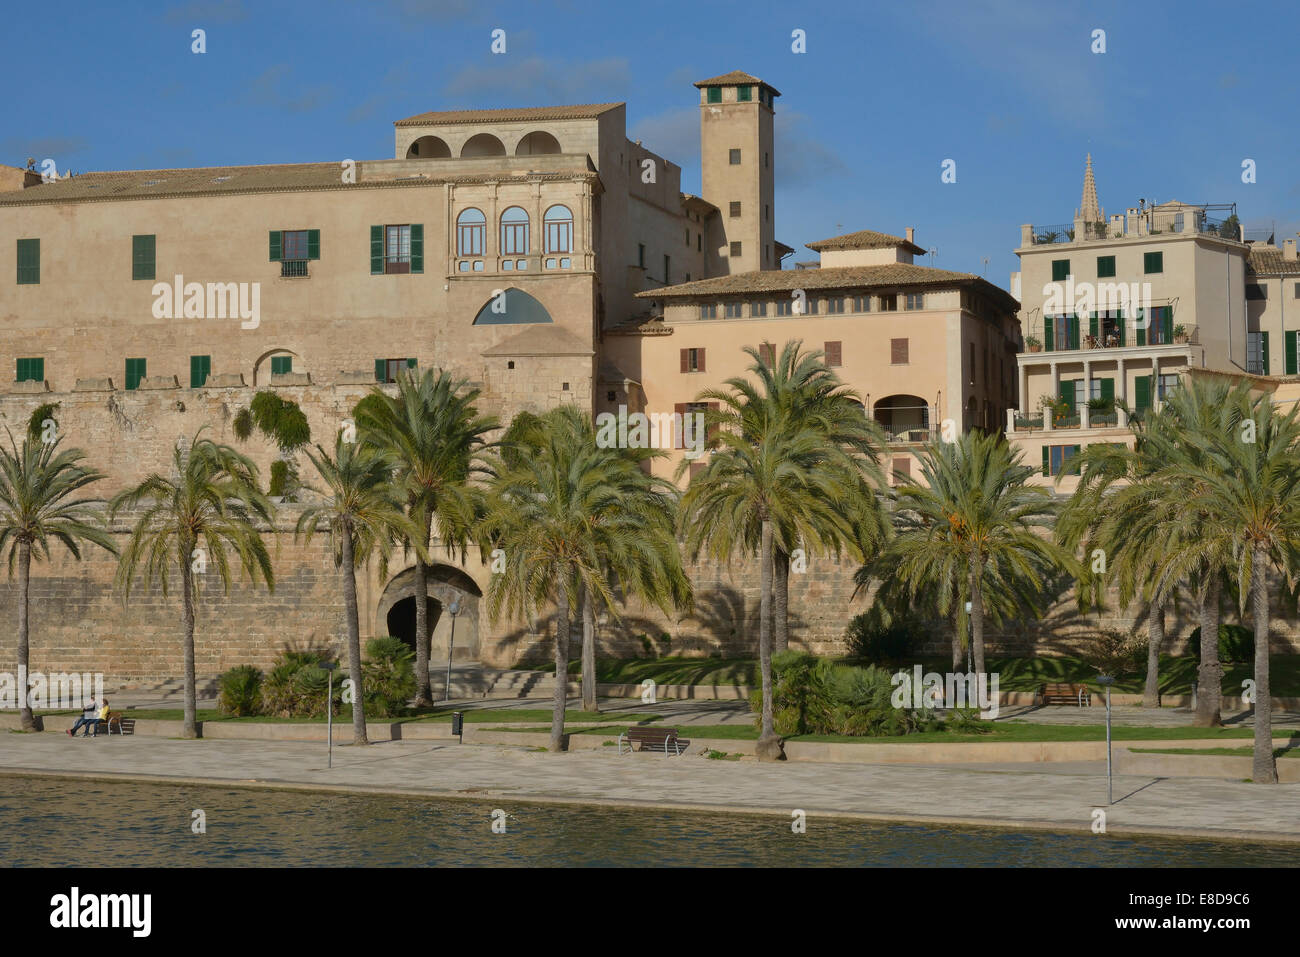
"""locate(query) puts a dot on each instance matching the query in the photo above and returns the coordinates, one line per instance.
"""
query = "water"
(52, 822)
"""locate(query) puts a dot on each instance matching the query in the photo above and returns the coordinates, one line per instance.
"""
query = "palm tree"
(1243, 487)
(574, 520)
(40, 503)
(971, 529)
(362, 512)
(433, 433)
(788, 466)
(188, 522)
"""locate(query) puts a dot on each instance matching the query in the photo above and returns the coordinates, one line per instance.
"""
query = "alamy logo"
(933, 690)
(59, 691)
(213, 300)
(74, 910)
(658, 430)
(1132, 299)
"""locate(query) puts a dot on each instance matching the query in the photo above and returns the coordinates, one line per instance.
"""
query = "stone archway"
(447, 583)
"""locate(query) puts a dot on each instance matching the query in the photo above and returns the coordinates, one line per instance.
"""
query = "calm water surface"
(49, 822)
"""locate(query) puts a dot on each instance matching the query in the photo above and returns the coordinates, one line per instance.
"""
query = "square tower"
(737, 167)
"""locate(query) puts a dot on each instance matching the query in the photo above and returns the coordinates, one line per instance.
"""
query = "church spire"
(1090, 210)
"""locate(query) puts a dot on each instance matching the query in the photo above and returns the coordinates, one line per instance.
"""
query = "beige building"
(919, 345)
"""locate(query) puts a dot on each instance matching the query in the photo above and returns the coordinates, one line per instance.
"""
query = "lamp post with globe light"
(454, 610)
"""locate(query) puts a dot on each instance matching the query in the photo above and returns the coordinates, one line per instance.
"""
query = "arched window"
(483, 144)
(428, 147)
(539, 141)
(514, 232)
(471, 232)
(558, 223)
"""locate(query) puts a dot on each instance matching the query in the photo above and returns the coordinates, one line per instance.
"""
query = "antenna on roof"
(986, 267)
(933, 253)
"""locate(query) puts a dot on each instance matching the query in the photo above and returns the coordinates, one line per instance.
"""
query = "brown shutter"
(902, 468)
(898, 351)
(696, 469)
(713, 428)
(699, 360)
(680, 410)
(833, 352)
(686, 359)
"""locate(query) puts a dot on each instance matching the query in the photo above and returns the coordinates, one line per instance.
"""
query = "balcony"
(1108, 340)
(1103, 416)
(905, 419)
(1212, 219)
(293, 268)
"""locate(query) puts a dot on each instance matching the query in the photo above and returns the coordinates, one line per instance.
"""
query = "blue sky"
(884, 94)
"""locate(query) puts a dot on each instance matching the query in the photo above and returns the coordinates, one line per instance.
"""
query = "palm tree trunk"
(561, 666)
(976, 615)
(354, 639)
(956, 643)
(769, 746)
(190, 729)
(1209, 678)
(25, 716)
(781, 601)
(588, 652)
(1265, 766)
(423, 690)
(1155, 638)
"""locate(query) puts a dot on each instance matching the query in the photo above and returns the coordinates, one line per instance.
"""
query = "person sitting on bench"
(102, 716)
(89, 717)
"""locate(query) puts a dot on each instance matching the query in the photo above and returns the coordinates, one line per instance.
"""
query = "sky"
(1012, 92)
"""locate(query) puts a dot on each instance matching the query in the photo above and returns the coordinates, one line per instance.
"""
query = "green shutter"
(1073, 455)
(1153, 262)
(200, 369)
(1065, 391)
(313, 244)
(1092, 325)
(1072, 324)
(29, 262)
(381, 370)
(1167, 325)
(1049, 332)
(1141, 329)
(417, 247)
(280, 365)
(411, 363)
(376, 252)
(275, 246)
(135, 371)
(1047, 466)
(1108, 389)
(1105, 267)
(1060, 270)
(1290, 353)
(30, 370)
(143, 250)
(1123, 331)
(1263, 348)
(1142, 393)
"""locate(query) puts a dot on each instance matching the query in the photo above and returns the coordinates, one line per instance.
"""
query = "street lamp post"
(329, 667)
(454, 609)
(1106, 681)
(970, 640)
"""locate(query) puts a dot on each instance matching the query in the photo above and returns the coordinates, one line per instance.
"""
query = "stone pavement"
(1059, 798)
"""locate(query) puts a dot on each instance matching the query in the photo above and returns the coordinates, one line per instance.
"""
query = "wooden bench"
(653, 739)
(1063, 692)
(116, 724)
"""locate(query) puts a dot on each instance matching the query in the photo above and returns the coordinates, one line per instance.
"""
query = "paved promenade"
(1060, 798)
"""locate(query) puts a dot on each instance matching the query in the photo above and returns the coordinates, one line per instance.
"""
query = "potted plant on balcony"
(1180, 333)
(1101, 412)
(1034, 343)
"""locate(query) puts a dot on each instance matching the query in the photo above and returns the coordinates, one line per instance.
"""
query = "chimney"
(1288, 249)
(911, 234)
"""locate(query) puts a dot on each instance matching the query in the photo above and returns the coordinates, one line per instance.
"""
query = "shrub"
(388, 676)
(1114, 653)
(870, 640)
(36, 424)
(1236, 643)
(297, 685)
(240, 691)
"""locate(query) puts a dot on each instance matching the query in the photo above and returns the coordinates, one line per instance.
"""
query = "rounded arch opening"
(537, 143)
(902, 416)
(274, 362)
(482, 144)
(395, 614)
(429, 147)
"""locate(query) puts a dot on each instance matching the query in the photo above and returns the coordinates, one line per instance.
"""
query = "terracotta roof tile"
(583, 111)
(735, 77)
(864, 239)
(1268, 261)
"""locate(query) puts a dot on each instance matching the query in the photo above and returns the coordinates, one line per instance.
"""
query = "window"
(30, 370)
(835, 306)
(735, 210)
(1105, 267)
(281, 365)
(397, 249)
(785, 307)
(514, 232)
(914, 300)
(733, 157)
(708, 311)
(200, 369)
(1256, 291)
(1153, 262)
(135, 373)
(1255, 353)
(1060, 269)
(861, 303)
(471, 233)
(889, 303)
(898, 352)
(735, 249)
(668, 269)
(758, 309)
(293, 249)
(557, 224)
(1297, 290)
(1166, 384)
(29, 262)
(834, 354)
(902, 468)
(640, 255)
(767, 160)
(744, 94)
(811, 306)
(715, 94)
(734, 310)
(142, 257)
(1101, 389)
(1057, 459)
(387, 370)
(767, 353)
(692, 360)
(688, 237)
(767, 213)
(699, 242)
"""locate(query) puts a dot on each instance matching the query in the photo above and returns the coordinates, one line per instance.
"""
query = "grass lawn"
(1015, 674)
(1010, 731)
(478, 716)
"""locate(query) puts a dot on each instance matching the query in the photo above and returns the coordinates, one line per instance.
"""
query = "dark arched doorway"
(401, 618)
